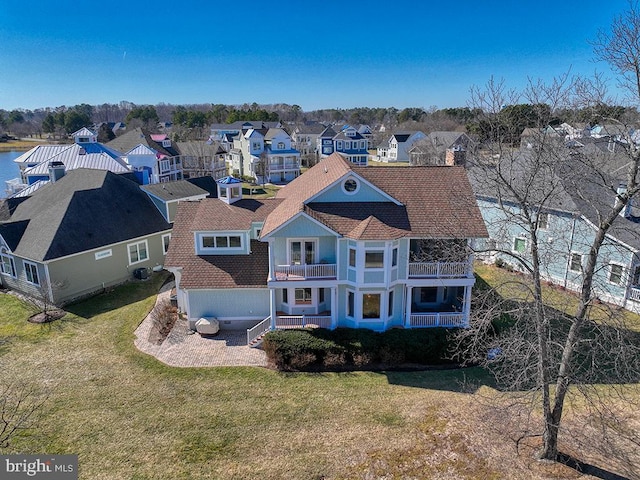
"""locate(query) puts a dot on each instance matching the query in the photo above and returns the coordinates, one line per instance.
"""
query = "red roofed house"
(340, 246)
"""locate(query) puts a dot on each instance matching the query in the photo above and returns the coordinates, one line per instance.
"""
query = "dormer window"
(280, 145)
(83, 139)
(166, 143)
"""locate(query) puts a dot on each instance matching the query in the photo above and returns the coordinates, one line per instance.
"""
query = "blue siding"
(364, 194)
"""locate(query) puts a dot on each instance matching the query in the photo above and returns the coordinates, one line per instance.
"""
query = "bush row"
(346, 348)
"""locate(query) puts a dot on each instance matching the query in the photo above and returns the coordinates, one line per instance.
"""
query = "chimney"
(626, 210)
(56, 171)
(455, 156)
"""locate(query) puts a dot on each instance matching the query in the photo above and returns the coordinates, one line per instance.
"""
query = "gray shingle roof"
(177, 190)
(85, 209)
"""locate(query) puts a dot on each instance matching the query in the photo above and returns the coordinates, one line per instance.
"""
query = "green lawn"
(131, 417)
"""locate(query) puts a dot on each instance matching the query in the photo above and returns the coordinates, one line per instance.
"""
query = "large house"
(82, 232)
(153, 156)
(568, 201)
(266, 155)
(396, 148)
(340, 246)
(43, 163)
(352, 144)
(441, 148)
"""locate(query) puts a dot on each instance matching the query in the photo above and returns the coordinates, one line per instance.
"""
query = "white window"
(339, 144)
(31, 271)
(575, 262)
(221, 241)
(165, 243)
(350, 186)
(303, 296)
(138, 252)
(374, 259)
(543, 221)
(351, 304)
(352, 257)
(7, 265)
(280, 145)
(519, 245)
(615, 273)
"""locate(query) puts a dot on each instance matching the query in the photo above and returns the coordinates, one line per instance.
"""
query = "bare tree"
(20, 406)
(551, 354)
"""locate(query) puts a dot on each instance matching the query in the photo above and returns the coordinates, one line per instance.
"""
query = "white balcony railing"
(305, 272)
(440, 270)
(302, 321)
(258, 330)
(417, 320)
(634, 294)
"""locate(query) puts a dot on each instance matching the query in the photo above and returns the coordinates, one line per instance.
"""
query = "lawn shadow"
(588, 469)
(112, 299)
(449, 379)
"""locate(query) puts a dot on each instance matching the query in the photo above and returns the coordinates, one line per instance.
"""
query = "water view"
(8, 169)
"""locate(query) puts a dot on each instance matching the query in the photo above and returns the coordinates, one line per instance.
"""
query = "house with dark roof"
(152, 155)
(567, 202)
(396, 148)
(339, 246)
(348, 141)
(81, 233)
(441, 148)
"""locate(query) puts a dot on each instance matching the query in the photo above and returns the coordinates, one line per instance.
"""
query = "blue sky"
(329, 54)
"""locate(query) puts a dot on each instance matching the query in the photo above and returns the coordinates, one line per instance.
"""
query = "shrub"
(345, 348)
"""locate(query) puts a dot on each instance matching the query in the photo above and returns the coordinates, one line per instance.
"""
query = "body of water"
(8, 169)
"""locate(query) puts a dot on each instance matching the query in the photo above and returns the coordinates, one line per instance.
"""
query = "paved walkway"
(183, 348)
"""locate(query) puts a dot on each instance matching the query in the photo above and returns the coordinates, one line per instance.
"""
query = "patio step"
(257, 341)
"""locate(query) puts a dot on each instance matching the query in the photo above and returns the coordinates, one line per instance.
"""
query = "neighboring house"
(44, 161)
(220, 130)
(82, 233)
(348, 142)
(566, 228)
(266, 155)
(396, 149)
(340, 246)
(199, 158)
(441, 148)
(152, 155)
(305, 137)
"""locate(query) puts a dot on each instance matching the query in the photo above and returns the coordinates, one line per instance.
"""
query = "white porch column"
(407, 315)
(467, 304)
(272, 307)
(334, 307)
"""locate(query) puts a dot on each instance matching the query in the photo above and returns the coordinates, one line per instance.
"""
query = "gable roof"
(293, 196)
(87, 155)
(130, 140)
(84, 210)
(436, 202)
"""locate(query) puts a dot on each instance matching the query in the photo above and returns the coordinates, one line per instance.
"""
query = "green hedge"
(348, 348)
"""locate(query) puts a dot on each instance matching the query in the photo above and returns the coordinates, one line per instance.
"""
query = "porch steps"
(257, 341)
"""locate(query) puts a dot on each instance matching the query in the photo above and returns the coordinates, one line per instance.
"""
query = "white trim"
(12, 262)
(202, 250)
(316, 246)
(359, 179)
(622, 273)
(295, 217)
(513, 244)
(137, 244)
(350, 192)
(571, 254)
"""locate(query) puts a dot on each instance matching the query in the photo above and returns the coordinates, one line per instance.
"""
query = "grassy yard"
(131, 417)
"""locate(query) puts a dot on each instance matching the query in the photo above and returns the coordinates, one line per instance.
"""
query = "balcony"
(282, 166)
(306, 272)
(440, 269)
(303, 321)
(634, 293)
(425, 320)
